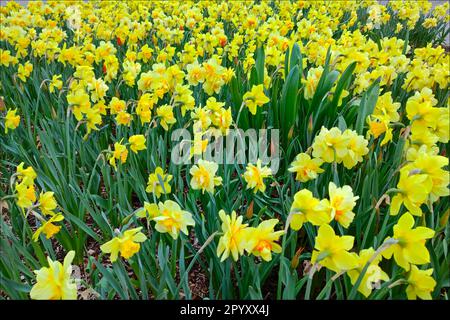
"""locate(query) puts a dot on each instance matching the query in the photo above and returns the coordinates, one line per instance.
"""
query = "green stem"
(309, 283)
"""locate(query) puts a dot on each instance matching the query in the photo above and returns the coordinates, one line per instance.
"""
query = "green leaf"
(288, 105)
(368, 102)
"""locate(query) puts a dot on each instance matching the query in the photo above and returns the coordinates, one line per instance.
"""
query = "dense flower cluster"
(92, 91)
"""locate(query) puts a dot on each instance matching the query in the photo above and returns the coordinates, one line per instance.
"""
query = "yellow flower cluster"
(239, 237)
(332, 146)
(429, 125)
(339, 206)
(131, 67)
(120, 153)
(86, 96)
(27, 199)
(341, 147)
(407, 246)
(212, 118)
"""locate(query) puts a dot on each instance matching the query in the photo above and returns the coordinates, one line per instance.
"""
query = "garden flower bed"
(224, 150)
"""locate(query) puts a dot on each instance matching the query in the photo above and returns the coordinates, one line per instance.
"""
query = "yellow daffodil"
(116, 105)
(123, 118)
(204, 176)
(54, 282)
(442, 127)
(408, 193)
(165, 113)
(331, 251)
(55, 83)
(422, 135)
(172, 219)
(420, 108)
(306, 208)
(330, 145)
(158, 182)
(254, 176)
(420, 284)
(48, 227)
(340, 204)
(26, 195)
(255, 98)
(214, 105)
(98, 89)
(145, 53)
(79, 101)
(84, 73)
(24, 71)
(378, 126)
(195, 73)
(26, 176)
(311, 81)
(431, 165)
(47, 202)
(202, 117)
(120, 153)
(93, 118)
(386, 108)
(149, 211)
(356, 148)
(306, 168)
(145, 106)
(184, 99)
(374, 274)
(235, 236)
(127, 244)
(137, 143)
(12, 120)
(5, 57)
(410, 247)
(222, 119)
(198, 145)
(261, 240)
